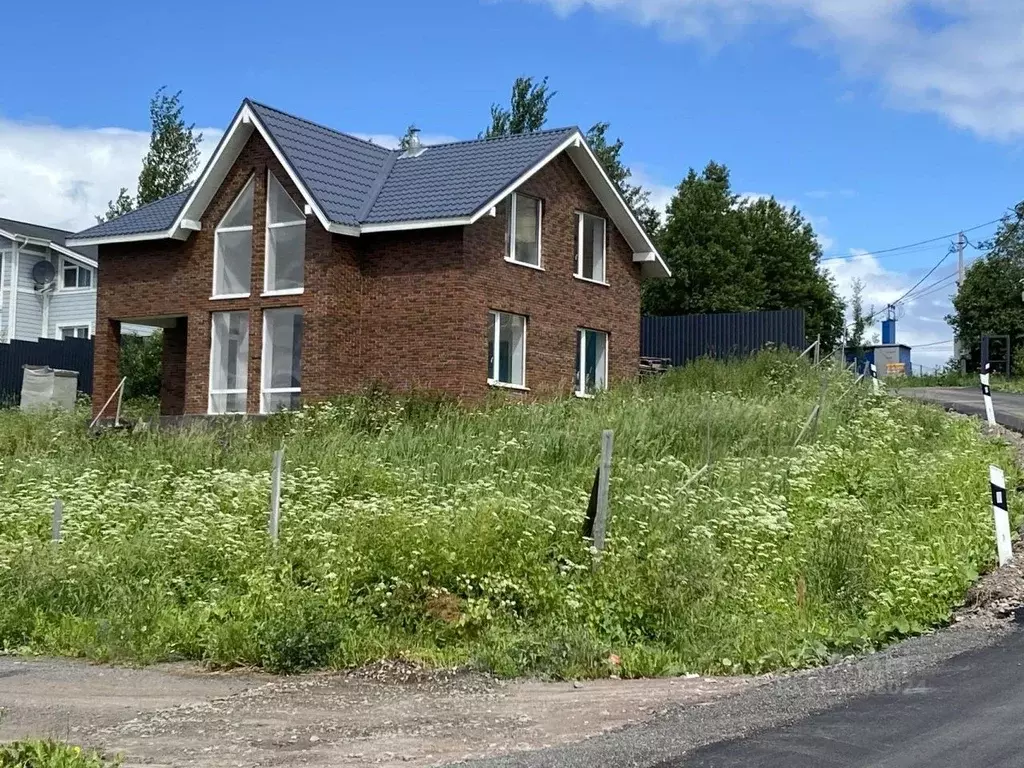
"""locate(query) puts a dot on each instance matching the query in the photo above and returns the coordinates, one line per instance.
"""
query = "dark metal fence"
(69, 355)
(682, 338)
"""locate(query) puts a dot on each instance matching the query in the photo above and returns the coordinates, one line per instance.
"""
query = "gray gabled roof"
(40, 232)
(152, 217)
(356, 182)
(450, 181)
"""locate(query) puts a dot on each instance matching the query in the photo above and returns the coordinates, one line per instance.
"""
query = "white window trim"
(57, 329)
(581, 379)
(216, 248)
(264, 391)
(511, 245)
(210, 391)
(491, 380)
(63, 264)
(580, 218)
(266, 247)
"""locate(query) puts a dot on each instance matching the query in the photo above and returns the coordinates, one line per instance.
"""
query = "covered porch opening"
(150, 372)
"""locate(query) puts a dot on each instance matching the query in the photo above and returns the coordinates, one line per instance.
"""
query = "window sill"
(503, 385)
(591, 280)
(538, 267)
(585, 395)
(285, 292)
(73, 290)
(228, 296)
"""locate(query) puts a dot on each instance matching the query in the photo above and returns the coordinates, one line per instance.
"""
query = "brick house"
(305, 263)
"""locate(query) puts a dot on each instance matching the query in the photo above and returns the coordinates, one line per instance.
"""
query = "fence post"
(1000, 513)
(604, 475)
(275, 494)
(58, 520)
(874, 378)
(817, 350)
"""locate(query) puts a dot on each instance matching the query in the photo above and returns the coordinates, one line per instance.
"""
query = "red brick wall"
(172, 387)
(408, 310)
(555, 302)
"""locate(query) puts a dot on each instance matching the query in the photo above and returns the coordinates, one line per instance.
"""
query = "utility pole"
(959, 347)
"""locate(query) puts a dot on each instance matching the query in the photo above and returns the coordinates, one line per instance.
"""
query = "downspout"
(45, 330)
(13, 309)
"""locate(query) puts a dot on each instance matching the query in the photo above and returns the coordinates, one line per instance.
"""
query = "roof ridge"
(509, 137)
(375, 145)
(378, 185)
(321, 126)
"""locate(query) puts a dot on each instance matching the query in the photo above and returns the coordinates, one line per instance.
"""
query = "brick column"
(106, 356)
(172, 383)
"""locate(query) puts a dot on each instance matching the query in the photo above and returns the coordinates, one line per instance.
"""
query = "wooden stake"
(275, 494)
(605, 471)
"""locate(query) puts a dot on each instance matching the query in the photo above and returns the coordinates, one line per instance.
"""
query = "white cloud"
(962, 59)
(919, 321)
(63, 177)
(661, 194)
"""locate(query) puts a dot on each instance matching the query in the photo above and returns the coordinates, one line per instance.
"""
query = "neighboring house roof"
(354, 186)
(51, 236)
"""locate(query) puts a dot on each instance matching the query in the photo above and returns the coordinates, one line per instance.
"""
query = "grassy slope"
(410, 529)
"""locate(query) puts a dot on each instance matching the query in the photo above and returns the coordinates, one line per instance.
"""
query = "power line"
(930, 272)
(934, 287)
(925, 289)
(912, 245)
(933, 344)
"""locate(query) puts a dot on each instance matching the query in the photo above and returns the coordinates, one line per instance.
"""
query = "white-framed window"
(229, 362)
(506, 350)
(232, 248)
(524, 220)
(80, 331)
(590, 247)
(74, 276)
(282, 359)
(286, 240)
(591, 361)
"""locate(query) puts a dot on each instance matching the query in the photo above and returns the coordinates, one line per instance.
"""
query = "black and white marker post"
(986, 391)
(874, 377)
(1001, 513)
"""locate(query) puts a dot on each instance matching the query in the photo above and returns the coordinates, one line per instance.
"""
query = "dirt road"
(391, 714)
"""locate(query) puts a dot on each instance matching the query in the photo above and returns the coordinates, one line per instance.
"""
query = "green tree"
(705, 244)
(172, 158)
(855, 341)
(527, 112)
(786, 251)
(989, 302)
(731, 255)
(639, 199)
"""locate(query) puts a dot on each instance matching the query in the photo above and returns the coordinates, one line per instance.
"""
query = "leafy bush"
(49, 754)
(414, 528)
(141, 364)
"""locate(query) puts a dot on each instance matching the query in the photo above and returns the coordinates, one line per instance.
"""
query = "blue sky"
(886, 121)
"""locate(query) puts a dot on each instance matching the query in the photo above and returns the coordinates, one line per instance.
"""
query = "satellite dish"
(43, 273)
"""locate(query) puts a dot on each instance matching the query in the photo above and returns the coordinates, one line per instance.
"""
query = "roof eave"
(163, 234)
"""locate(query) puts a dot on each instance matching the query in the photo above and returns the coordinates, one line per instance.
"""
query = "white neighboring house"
(59, 308)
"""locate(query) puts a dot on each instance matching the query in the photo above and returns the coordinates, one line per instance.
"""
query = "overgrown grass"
(412, 528)
(50, 754)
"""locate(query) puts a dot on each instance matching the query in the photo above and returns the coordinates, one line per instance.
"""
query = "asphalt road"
(1009, 407)
(968, 712)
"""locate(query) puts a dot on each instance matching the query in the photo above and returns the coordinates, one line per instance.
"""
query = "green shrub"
(50, 754)
(141, 364)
